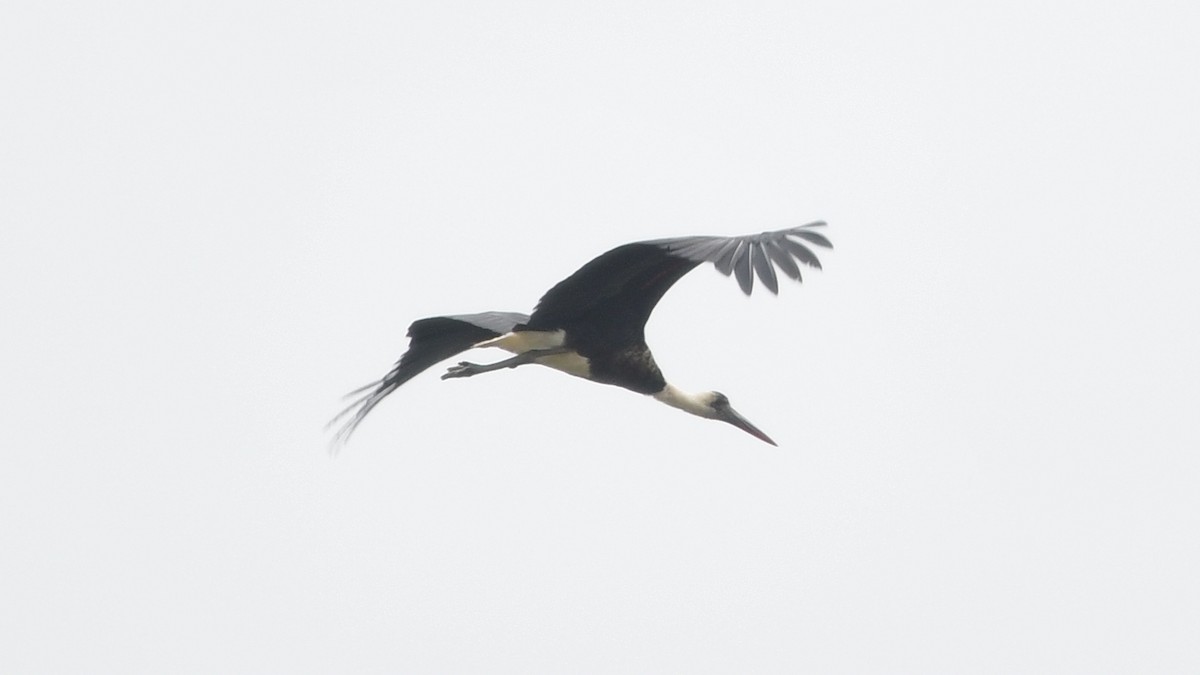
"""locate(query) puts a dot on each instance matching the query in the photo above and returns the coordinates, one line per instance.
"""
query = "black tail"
(431, 340)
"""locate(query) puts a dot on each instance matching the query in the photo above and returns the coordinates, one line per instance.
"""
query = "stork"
(592, 324)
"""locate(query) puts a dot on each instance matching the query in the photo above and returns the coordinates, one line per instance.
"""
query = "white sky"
(219, 217)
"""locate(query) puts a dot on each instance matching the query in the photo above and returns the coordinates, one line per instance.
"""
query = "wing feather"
(762, 265)
(623, 285)
(745, 256)
(800, 252)
(431, 340)
(725, 255)
(781, 258)
(741, 267)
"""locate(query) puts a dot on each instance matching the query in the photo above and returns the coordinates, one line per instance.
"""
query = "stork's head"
(719, 409)
(711, 404)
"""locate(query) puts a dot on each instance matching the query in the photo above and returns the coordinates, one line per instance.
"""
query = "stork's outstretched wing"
(757, 252)
(628, 281)
(432, 340)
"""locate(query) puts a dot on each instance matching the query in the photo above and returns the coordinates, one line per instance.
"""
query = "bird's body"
(592, 323)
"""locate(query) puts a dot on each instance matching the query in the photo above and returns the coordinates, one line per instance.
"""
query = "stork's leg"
(467, 369)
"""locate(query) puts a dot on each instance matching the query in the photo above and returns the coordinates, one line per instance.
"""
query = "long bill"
(733, 417)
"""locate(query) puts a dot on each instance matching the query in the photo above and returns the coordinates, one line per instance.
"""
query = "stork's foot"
(464, 369)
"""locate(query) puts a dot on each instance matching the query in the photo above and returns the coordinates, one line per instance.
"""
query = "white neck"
(697, 404)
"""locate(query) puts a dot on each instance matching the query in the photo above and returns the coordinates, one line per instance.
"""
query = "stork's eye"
(720, 400)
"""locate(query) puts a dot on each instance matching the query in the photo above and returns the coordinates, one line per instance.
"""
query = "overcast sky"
(217, 218)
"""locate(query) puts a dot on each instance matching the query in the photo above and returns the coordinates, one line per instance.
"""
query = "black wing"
(432, 340)
(626, 283)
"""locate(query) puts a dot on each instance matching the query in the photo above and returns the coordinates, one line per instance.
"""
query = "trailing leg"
(467, 369)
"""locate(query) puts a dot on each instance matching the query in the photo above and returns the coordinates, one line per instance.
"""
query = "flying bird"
(592, 324)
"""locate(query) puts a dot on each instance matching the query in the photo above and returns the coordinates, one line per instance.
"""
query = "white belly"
(570, 363)
(523, 341)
